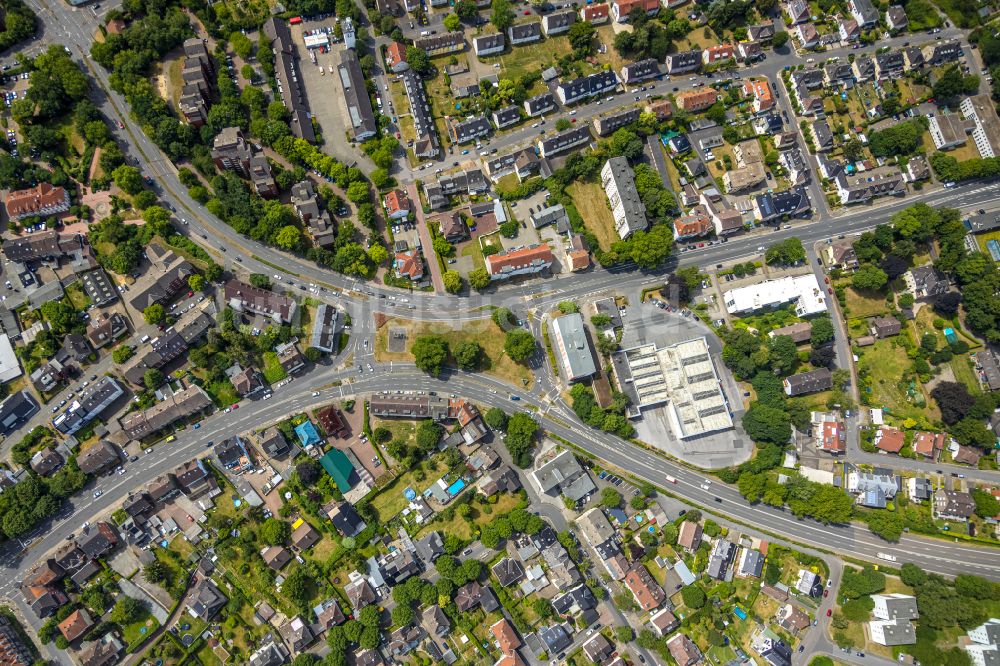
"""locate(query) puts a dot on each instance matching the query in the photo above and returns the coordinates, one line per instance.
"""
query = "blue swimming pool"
(456, 487)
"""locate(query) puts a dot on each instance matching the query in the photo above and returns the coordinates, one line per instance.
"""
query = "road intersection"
(363, 300)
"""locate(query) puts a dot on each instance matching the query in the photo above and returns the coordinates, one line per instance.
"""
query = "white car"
(98, 493)
(315, 394)
(149, 450)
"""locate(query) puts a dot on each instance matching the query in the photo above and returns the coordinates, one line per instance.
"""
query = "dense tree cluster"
(786, 252)
(611, 419)
(521, 432)
(19, 24)
(900, 139)
(36, 498)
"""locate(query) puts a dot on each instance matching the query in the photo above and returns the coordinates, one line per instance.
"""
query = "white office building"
(802, 290)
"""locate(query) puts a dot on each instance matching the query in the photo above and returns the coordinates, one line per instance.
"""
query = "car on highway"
(236, 405)
(315, 394)
(98, 493)
(149, 450)
(121, 125)
(515, 398)
(196, 426)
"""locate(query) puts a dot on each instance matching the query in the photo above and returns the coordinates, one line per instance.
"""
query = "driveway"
(433, 265)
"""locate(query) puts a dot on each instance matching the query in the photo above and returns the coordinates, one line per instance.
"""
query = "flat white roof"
(683, 376)
(802, 290)
(10, 367)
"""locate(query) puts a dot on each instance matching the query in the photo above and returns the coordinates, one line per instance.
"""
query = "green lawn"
(532, 57)
(471, 249)
(864, 304)
(890, 383)
(390, 500)
(272, 370)
(134, 634)
(464, 530)
(77, 297)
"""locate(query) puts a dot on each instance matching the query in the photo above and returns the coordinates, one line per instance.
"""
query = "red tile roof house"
(395, 57)
(644, 589)
(697, 223)
(718, 53)
(596, 14)
(832, 437)
(760, 90)
(397, 205)
(928, 444)
(409, 264)
(620, 9)
(889, 440)
(76, 624)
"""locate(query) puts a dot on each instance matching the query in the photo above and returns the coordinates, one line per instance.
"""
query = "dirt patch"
(397, 340)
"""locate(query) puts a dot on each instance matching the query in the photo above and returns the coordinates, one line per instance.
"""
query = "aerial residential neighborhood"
(516, 333)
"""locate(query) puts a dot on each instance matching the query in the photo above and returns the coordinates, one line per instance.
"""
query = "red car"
(826, 593)
(829, 612)
(121, 125)
(827, 280)
(830, 290)
(236, 405)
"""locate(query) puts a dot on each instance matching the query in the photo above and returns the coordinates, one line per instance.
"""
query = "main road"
(935, 555)
(855, 541)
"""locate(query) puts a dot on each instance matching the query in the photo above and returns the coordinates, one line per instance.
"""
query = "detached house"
(895, 18)
(397, 205)
(808, 382)
(409, 264)
(596, 14)
(953, 505)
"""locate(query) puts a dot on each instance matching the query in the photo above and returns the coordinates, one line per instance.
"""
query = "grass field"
(390, 500)
(77, 297)
(592, 203)
(887, 365)
(464, 530)
(533, 57)
(864, 304)
(483, 331)
(472, 250)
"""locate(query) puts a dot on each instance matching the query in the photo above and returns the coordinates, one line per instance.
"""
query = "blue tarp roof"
(307, 433)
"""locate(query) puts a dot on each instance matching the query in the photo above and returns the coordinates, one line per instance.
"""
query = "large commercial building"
(286, 71)
(359, 106)
(802, 290)
(626, 206)
(681, 376)
(569, 342)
